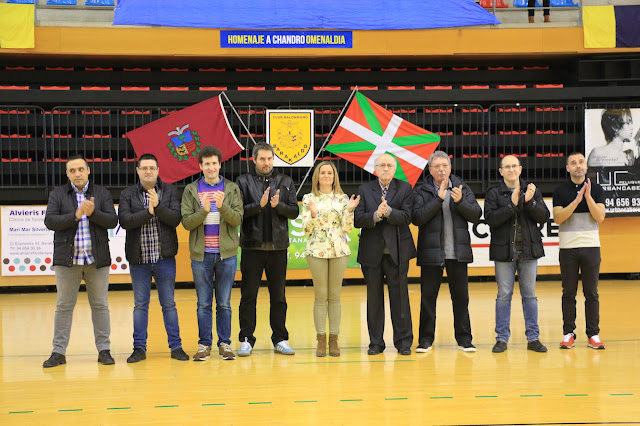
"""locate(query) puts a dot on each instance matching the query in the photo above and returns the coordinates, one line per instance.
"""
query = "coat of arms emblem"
(185, 143)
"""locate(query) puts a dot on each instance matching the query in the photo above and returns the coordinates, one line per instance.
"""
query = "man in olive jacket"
(80, 213)
(443, 207)
(513, 211)
(212, 211)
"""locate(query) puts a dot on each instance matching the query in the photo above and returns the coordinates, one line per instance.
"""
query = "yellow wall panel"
(205, 42)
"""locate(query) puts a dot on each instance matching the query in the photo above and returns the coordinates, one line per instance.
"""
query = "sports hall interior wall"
(485, 91)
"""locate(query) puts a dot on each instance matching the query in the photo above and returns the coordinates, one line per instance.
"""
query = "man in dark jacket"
(386, 246)
(513, 211)
(269, 200)
(150, 212)
(80, 213)
(442, 208)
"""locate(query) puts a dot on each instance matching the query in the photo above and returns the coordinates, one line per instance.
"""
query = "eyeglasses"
(148, 169)
(385, 166)
(510, 167)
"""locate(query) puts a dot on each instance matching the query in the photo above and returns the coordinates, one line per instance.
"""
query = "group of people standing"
(263, 201)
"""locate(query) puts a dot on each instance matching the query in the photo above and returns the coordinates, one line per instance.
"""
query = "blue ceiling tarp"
(303, 14)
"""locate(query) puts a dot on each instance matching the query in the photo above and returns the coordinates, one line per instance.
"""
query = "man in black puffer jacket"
(513, 211)
(442, 209)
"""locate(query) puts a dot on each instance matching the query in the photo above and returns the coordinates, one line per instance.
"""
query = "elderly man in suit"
(386, 245)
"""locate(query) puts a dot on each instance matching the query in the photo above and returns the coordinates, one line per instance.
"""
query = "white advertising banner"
(27, 245)
(612, 149)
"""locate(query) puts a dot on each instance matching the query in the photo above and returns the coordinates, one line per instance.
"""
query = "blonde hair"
(315, 184)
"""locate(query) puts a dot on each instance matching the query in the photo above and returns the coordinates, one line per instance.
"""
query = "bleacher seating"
(461, 108)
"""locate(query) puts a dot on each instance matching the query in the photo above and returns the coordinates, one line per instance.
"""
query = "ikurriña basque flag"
(368, 130)
(611, 26)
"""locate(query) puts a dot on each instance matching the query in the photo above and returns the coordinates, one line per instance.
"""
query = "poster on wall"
(27, 244)
(612, 149)
(290, 132)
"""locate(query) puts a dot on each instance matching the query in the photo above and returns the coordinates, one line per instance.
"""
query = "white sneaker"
(284, 348)
(245, 348)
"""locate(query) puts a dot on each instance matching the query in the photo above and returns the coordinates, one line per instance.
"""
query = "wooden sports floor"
(445, 386)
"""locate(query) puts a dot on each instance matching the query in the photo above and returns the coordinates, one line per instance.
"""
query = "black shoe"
(105, 358)
(536, 346)
(374, 350)
(467, 347)
(179, 355)
(500, 346)
(54, 360)
(424, 347)
(404, 351)
(138, 355)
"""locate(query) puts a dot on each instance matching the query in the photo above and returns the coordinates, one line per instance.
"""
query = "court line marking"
(342, 400)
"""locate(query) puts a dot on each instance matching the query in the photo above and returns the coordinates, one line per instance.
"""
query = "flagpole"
(344, 109)
(239, 118)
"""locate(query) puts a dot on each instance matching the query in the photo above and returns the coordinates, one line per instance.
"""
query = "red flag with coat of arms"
(176, 139)
(367, 131)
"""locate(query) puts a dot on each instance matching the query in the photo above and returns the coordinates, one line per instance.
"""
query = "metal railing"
(34, 143)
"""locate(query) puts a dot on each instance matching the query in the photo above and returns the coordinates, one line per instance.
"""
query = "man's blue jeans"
(164, 273)
(223, 270)
(505, 277)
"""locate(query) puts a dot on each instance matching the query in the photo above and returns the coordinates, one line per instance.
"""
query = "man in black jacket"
(269, 200)
(80, 213)
(513, 211)
(385, 248)
(150, 212)
(442, 208)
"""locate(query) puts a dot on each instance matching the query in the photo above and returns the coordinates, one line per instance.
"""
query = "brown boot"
(547, 18)
(531, 20)
(334, 350)
(322, 345)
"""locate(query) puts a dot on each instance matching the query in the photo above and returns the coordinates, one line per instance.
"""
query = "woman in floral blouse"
(327, 218)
